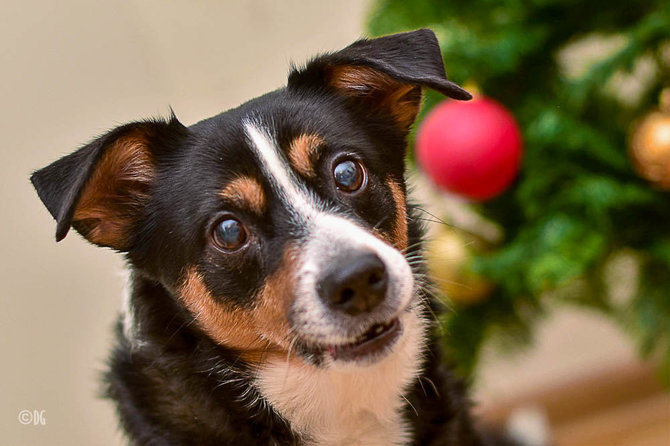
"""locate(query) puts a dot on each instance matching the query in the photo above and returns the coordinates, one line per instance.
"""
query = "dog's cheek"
(397, 234)
(275, 299)
(256, 331)
(228, 326)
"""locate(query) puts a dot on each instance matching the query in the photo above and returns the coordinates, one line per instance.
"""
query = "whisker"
(435, 217)
(375, 227)
(288, 356)
(430, 381)
(411, 405)
(412, 246)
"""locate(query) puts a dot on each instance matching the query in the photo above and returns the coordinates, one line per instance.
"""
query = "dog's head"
(281, 224)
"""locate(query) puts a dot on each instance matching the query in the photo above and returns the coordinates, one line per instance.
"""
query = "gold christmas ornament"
(448, 255)
(650, 144)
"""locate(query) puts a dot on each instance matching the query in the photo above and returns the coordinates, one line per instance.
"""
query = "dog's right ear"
(102, 188)
(383, 75)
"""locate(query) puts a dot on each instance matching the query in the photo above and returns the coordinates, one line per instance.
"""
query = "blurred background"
(555, 261)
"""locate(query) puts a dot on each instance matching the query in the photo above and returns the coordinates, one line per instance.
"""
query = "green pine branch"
(577, 201)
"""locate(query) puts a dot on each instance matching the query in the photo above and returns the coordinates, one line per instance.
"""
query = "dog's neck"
(360, 406)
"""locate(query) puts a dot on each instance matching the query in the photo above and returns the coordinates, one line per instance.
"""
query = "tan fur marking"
(301, 153)
(399, 235)
(399, 99)
(256, 333)
(246, 193)
(222, 324)
(115, 192)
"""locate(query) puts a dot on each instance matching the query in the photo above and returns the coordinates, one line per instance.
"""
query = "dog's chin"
(369, 348)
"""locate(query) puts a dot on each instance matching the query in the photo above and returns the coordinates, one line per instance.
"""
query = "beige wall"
(69, 70)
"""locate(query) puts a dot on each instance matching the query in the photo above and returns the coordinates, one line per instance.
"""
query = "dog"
(277, 294)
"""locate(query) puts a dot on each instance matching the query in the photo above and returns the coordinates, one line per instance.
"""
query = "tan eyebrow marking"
(245, 192)
(301, 153)
(399, 235)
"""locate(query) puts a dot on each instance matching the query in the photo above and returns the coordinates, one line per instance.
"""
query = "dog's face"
(302, 230)
(279, 226)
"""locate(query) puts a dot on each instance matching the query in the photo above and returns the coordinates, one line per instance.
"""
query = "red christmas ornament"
(470, 148)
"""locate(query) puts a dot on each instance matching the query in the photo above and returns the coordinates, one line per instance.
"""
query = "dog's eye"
(229, 234)
(349, 175)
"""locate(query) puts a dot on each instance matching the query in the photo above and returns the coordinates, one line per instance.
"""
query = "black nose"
(356, 286)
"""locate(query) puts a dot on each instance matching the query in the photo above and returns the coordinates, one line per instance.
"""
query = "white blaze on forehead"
(278, 171)
(329, 235)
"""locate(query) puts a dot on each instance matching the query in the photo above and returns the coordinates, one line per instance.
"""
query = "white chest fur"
(354, 406)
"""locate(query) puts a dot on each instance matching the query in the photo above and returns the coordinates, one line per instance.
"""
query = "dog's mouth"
(373, 344)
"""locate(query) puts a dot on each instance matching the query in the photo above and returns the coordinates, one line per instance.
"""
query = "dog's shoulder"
(173, 386)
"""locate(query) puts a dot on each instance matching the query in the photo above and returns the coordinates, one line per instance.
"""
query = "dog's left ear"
(385, 75)
(102, 188)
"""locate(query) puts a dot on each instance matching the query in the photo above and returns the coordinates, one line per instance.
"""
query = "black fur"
(173, 385)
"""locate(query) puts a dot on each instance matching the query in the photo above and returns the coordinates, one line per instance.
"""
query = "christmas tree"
(582, 80)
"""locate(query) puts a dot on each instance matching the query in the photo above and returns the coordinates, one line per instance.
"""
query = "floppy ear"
(102, 188)
(384, 74)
